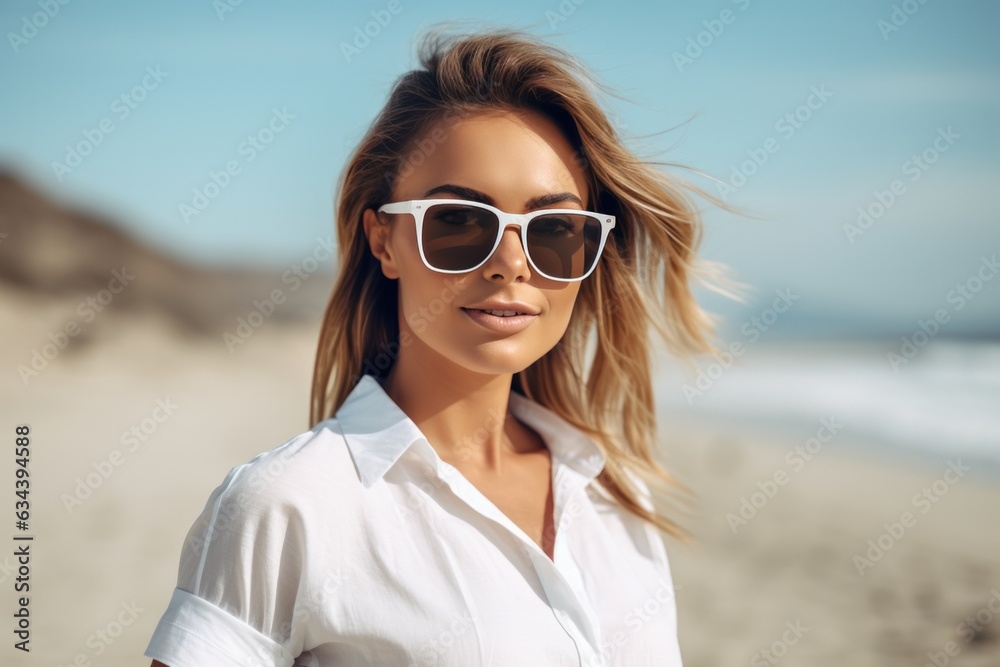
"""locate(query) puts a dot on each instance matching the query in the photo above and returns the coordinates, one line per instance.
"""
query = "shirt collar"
(377, 432)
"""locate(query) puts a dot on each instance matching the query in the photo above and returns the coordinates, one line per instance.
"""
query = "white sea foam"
(945, 399)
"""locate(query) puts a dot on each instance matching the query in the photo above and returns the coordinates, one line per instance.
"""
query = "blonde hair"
(643, 275)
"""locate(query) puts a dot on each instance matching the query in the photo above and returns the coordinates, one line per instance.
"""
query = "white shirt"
(355, 544)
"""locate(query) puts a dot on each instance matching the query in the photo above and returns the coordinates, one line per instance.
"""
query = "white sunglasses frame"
(417, 207)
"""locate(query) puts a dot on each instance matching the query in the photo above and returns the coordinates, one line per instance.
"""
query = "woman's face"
(505, 159)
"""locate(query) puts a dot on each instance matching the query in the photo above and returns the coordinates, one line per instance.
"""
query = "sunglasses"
(455, 236)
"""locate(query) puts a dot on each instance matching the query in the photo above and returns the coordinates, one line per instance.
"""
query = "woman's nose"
(510, 257)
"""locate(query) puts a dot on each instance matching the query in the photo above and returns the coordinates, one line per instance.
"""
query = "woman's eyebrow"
(483, 198)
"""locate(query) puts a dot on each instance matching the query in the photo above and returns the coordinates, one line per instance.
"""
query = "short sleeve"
(239, 577)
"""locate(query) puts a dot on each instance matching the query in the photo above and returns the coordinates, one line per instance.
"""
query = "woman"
(474, 488)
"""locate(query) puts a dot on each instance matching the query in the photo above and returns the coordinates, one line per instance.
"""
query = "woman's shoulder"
(267, 512)
(283, 496)
(312, 467)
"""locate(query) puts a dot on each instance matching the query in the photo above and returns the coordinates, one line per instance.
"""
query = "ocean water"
(942, 401)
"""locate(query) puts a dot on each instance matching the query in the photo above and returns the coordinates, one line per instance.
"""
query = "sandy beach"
(829, 552)
(808, 189)
(778, 585)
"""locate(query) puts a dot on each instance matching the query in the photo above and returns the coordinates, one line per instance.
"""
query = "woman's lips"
(499, 323)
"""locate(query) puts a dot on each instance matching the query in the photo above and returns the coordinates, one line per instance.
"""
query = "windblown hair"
(602, 386)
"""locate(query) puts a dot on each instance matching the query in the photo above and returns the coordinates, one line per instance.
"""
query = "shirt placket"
(560, 577)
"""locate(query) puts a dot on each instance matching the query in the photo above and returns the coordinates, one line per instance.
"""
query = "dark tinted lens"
(456, 237)
(564, 245)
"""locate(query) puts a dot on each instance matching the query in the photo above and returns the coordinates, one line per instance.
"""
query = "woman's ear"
(377, 233)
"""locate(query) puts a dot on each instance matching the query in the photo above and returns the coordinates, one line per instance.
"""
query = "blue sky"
(888, 96)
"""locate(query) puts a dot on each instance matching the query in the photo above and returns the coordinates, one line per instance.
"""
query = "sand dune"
(55, 252)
